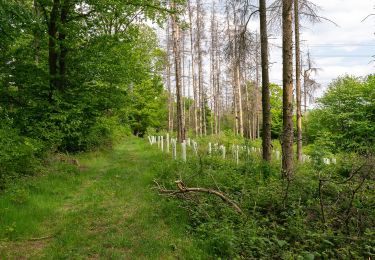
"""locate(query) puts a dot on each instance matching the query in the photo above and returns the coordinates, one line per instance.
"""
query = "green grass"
(107, 209)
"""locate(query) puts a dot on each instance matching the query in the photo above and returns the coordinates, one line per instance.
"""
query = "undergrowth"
(323, 212)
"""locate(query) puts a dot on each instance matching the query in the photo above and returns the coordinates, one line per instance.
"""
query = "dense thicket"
(74, 74)
(344, 119)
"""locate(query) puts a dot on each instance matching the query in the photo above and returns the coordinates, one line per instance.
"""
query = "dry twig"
(183, 189)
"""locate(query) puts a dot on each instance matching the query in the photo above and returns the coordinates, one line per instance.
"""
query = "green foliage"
(276, 100)
(280, 220)
(109, 85)
(344, 120)
(18, 155)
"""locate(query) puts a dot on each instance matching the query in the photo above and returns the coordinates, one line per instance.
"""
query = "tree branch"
(183, 189)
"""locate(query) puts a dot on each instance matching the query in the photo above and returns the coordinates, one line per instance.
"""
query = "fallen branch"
(183, 189)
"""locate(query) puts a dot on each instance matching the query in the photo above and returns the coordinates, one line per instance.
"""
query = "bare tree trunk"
(298, 80)
(239, 89)
(195, 93)
(177, 52)
(305, 77)
(173, 112)
(183, 81)
(188, 95)
(213, 72)
(200, 69)
(248, 110)
(218, 84)
(169, 84)
(258, 126)
(256, 87)
(266, 107)
(233, 76)
(287, 140)
(237, 65)
(204, 114)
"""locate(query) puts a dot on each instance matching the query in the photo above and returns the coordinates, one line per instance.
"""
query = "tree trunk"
(256, 88)
(169, 84)
(239, 89)
(248, 109)
(305, 77)
(287, 140)
(200, 70)
(183, 84)
(237, 68)
(298, 81)
(218, 91)
(266, 107)
(196, 123)
(177, 52)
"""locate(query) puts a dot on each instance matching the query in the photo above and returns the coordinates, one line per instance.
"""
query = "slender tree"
(192, 56)
(199, 36)
(169, 84)
(287, 49)
(309, 84)
(298, 79)
(266, 107)
(303, 9)
(177, 59)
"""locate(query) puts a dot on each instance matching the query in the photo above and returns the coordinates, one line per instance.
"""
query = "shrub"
(18, 155)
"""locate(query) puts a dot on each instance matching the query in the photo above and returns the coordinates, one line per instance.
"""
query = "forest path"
(108, 210)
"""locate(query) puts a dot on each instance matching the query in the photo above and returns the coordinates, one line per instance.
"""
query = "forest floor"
(107, 209)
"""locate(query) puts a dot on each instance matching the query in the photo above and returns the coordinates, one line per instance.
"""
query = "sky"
(345, 48)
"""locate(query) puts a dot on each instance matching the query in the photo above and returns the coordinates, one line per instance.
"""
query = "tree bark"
(258, 62)
(239, 89)
(287, 139)
(298, 80)
(305, 77)
(169, 84)
(200, 70)
(183, 85)
(237, 71)
(196, 123)
(213, 73)
(177, 52)
(266, 107)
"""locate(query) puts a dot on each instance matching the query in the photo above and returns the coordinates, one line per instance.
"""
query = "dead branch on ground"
(183, 189)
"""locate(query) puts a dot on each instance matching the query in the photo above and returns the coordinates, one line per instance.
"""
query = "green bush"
(344, 119)
(18, 155)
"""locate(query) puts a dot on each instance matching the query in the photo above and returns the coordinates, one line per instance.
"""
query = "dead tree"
(266, 106)
(177, 59)
(168, 79)
(201, 98)
(298, 79)
(287, 138)
(309, 84)
(193, 76)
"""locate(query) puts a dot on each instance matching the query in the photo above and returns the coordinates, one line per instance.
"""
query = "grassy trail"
(106, 210)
